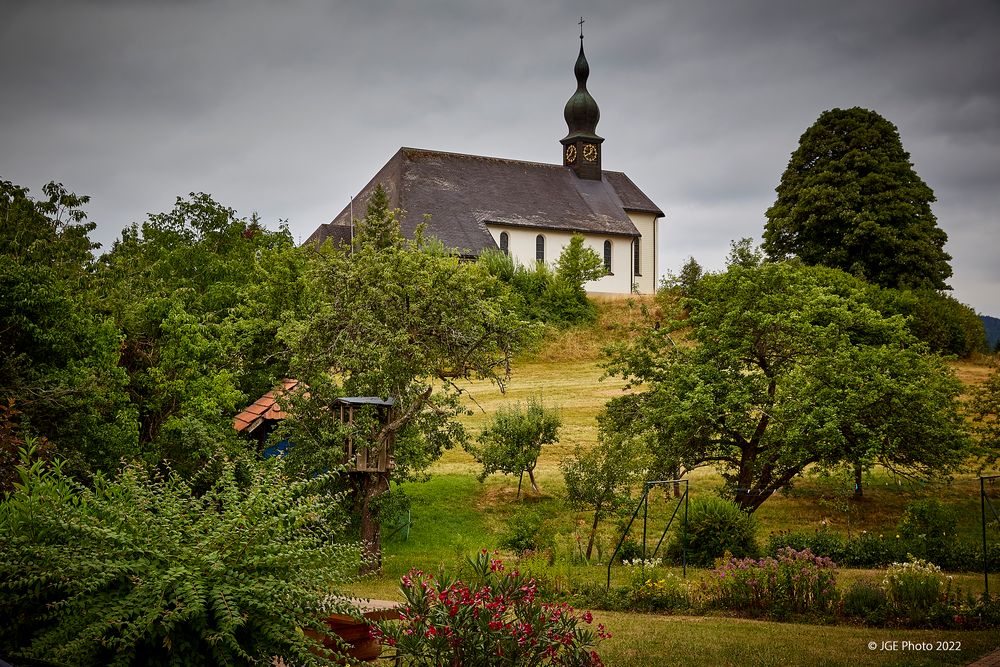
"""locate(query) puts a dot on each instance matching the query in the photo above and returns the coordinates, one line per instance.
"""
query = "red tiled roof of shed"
(265, 407)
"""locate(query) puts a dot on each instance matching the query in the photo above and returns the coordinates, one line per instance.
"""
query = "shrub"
(659, 594)
(929, 527)
(496, 619)
(795, 581)
(526, 531)
(822, 542)
(914, 587)
(141, 571)
(714, 527)
(867, 601)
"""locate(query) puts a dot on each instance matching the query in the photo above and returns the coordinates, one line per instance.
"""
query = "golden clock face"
(571, 154)
(589, 152)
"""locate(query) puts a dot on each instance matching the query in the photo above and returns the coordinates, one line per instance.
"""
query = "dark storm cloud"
(289, 108)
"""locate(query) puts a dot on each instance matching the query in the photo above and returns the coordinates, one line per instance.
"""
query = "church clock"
(570, 154)
(589, 152)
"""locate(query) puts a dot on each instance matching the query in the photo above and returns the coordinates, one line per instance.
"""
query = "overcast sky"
(288, 108)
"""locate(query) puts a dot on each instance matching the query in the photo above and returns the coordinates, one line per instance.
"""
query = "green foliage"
(539, 294)
(866, 600)
(914, 587)
(141, 571)
(199, 294)
(940, 320)
(601, 478)
(578, 264)
(58, 355)
(791, 366)
(714, 527)
(794, 581)
(929, 525)
(851, 200)
(397, 318)
(513, 439)
(496, 619)
(984, 410)
(526, 531)
(685, 282)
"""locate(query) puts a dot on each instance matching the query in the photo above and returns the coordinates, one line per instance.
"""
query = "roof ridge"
(481, 157)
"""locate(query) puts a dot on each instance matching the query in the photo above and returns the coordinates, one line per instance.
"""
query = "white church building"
(529, 210)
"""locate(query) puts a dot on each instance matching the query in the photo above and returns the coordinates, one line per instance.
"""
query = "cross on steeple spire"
(581, 27)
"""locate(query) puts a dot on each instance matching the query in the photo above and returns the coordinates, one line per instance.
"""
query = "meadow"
(453, 515)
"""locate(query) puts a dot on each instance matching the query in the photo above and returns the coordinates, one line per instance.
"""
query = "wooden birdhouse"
(361, 457)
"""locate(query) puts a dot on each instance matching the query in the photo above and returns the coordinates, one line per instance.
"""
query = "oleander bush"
(140, 570)
(498, 618)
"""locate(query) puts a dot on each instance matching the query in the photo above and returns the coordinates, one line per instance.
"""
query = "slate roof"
(463, 193)
(265, 407)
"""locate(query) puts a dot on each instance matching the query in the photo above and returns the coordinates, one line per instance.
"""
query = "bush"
(914, 587)
(526, 531)
(141, 571)
(496, 619)
(867, 601)
(795, 581)
(822, 542)
(929, 527)
(714, 527)
(659, 594)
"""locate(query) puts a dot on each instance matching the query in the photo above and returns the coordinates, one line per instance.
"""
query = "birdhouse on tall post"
(373, 455)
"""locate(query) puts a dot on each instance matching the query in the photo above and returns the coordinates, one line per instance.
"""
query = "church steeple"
(582, 146)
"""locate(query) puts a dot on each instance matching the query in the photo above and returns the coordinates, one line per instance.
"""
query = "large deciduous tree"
(850, 199)
(198, 294)
(59, 373)
(780, 366)
(401, 319)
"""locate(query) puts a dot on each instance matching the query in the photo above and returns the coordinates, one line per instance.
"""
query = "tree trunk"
(593, 531)
(373, 485)
(858, 492)
(534, 486)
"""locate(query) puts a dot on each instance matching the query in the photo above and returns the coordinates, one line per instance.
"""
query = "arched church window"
(505, 243)
(607, 256)
(539, 248)
(636, 269)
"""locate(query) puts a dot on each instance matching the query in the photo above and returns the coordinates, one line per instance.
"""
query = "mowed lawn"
(454, 515)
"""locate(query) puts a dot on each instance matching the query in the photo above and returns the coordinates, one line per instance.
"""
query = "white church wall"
(648, 269)
(522, 248)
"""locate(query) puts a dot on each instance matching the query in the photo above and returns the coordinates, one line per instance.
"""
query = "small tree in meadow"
(513, 439)
(600, 479)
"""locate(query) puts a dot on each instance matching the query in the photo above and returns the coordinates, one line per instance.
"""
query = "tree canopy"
(198, 294)
(512, 440)
(850, 199)
(400, 319)
(59, 372)
(780, 366)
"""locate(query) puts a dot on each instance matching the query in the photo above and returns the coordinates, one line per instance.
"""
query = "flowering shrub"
(669, 592)
(638, 562)
(497, 620)
(916, 586)
(795, 581)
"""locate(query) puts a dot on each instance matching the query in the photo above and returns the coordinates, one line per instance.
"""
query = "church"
(528, 210)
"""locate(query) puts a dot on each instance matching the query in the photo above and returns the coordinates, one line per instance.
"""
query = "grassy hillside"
(453, 514)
